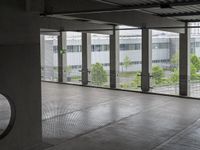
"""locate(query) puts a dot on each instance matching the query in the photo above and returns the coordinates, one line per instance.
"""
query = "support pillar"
(20, 73)
(184, 63)
(146, 59)
(60, 57)
(42, 56)
(86, 57)
(114, 58)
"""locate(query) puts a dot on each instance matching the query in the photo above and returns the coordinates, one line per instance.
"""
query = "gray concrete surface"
(81, 118)
(20, 72)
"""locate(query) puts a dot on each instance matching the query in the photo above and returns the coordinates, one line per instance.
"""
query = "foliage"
(126, 62)
(158, 74)
(63, 51)
(124, 86)
(195, 62)
(193, 72)
(137, 81)
(68, 69)
(174, 78)
(99, 75)
(175, 59)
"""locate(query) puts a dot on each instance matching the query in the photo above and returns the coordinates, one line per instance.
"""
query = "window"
(100, 60)
(130, 57)
(72, 58)
(49, 57)
(165, 62)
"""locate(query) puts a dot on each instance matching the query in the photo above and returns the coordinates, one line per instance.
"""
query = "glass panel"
(195, 61)
(100, 60)
(72, 58)
(49, 57)
(165, 62)
(5, 114)
(130, 59)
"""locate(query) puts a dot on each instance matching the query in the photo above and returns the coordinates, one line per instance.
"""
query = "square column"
(146, 59)
(62, 49)
(86, 57)
(60, 58)
(114, 58)
(20, 73)
(64, 55)
(42, 56)
(184, 63)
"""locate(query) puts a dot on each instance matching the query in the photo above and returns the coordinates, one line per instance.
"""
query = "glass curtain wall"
(72, 57)
(49, 57)
(165, 62)
(130, 59)
(100, 60)
(194, 81)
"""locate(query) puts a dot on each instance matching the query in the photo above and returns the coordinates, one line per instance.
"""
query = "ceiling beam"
(137, 19)
(180, 14)
(59, 24)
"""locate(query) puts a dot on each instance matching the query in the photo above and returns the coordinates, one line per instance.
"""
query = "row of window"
(133, 63)
(123, 47)
(195, 44)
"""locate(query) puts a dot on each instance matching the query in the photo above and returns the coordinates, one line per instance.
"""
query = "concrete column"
(64, 55)
(114, 58)
(20, 73)
(42, 53)
(86, 57)
(146, 59)
(184, 63)
(60, 57)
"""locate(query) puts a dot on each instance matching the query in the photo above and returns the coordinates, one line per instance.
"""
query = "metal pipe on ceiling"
(151, 28)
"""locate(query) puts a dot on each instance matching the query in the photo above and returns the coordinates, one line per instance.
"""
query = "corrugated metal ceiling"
(185, 10)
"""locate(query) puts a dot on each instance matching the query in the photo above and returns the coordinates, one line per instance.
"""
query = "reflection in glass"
(130, 59)
(165, 62)
(100, 60)
(5, 114)
(72, 58)
(49, 57)
(194, 79)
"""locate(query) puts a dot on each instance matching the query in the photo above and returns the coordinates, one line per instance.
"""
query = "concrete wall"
(20, 73)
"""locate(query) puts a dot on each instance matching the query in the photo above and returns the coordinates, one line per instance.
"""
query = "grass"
(127, 74)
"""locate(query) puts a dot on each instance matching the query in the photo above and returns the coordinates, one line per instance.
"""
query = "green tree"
(137, 81)
(126, 62)
(99, 75)
(193, 72)
(68, 70)
(195, 62)
(174, 76)
(158, 74)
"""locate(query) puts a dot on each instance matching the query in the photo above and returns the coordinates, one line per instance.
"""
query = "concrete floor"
(81, 118)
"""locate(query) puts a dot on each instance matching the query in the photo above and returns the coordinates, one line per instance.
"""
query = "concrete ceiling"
(140, 13)
(184, 10)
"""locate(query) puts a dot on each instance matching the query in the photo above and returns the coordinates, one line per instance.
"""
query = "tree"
(175, 59)
(158, 74)
(126, 62)
(193, 72)
(99, 75)
(195, 62)
(137, 81)
(174, 76)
